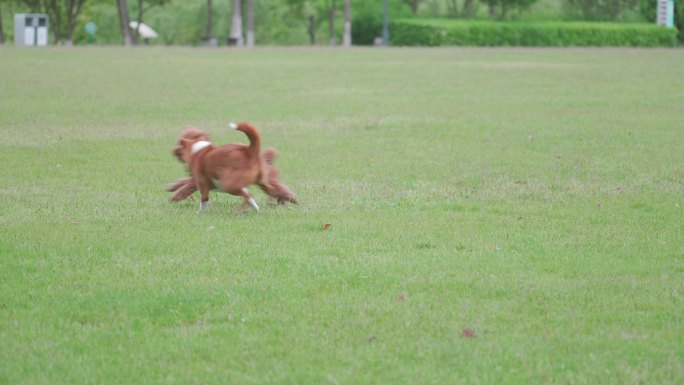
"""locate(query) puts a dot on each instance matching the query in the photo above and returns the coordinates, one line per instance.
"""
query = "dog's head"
(185, 141)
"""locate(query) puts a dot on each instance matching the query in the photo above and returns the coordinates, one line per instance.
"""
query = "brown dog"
(269, 180)
(229, 168)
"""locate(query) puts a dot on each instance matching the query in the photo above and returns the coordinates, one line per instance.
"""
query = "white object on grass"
(145, 31)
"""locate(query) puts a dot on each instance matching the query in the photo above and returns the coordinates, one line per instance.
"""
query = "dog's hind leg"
(249, 201)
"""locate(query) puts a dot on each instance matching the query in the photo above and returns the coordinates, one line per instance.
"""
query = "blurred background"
(304, 22)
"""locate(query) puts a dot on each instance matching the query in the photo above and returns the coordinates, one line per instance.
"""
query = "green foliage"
(283, 22)
(481, 33)
(647, 9)
(104, 15)
(516, 5)
(184, 22)
(368, 19)
(503, 9)
(599, 10)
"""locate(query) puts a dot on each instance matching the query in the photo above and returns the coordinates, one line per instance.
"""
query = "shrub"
(431, 32)
(367, 17)
(604, 10)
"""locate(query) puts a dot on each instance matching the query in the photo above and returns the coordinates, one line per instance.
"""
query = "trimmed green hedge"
(431, 32)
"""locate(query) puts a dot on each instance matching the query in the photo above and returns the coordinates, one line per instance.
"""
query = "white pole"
(347, 38)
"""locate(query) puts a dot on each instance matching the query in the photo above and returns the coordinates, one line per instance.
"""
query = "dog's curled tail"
(253, 135)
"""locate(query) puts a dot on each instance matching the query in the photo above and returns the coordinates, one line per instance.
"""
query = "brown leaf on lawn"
(401, 297)
(468, 333)
(325, 226)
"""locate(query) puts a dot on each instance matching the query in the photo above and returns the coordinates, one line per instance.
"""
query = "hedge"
(431, 32)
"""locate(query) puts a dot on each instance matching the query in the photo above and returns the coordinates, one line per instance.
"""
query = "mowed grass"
(531, 198)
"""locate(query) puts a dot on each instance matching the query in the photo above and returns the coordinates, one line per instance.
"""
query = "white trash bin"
(31, 29)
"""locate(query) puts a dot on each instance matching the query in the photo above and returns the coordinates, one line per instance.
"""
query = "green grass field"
(532, 196)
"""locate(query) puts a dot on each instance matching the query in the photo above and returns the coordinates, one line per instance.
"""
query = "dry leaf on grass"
(468, 333)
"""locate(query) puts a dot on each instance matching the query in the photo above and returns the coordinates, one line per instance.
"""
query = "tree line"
(274, 21)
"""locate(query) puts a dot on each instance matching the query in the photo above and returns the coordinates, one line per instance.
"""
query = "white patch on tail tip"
(233, 125)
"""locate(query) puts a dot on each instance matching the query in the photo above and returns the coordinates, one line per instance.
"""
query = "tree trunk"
(679, 21)
(491, 5)
(347, 37)
(311, 29)
(250, 23)
(235, 37)
(52, 9)
(413, 4)
(331, 23)
(468, 9)
(2, 34)
(70, 23)
(452, 8)
(385, 24)
(207, 34)
(141, 11)
(73, 10)
(123, 23)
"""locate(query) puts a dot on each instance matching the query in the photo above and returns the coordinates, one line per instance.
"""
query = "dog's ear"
(182, 149)
(178, 152)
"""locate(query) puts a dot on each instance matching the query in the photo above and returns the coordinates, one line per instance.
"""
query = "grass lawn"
(498, 216)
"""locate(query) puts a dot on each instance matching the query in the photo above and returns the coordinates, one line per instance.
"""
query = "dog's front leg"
(184, 191)
(178, 184)
(203, 187)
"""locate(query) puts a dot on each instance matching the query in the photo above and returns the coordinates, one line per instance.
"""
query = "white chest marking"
(197, 146)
